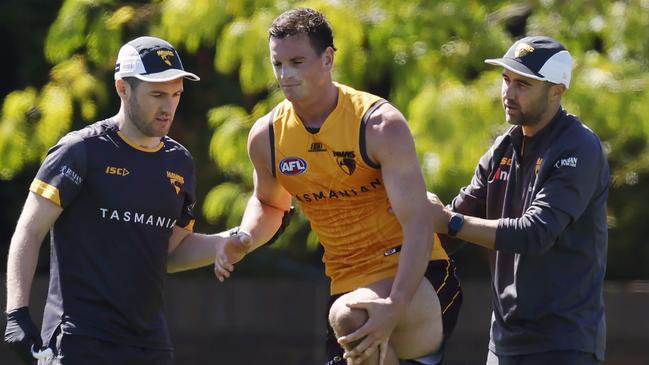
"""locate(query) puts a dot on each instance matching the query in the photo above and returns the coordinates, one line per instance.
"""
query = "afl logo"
(292, 166)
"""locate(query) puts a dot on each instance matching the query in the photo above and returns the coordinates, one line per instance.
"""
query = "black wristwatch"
(455, 224)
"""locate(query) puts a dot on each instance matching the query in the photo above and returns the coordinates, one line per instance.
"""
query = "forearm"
(21, 266)
(533, 233)
(194, 251)
(479, 231)
(261, 221)
(413, 261)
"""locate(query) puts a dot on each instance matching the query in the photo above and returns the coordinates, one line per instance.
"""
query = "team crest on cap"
(522, 50)
(165, 55)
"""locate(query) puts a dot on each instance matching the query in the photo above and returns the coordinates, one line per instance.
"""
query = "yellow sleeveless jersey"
(340, 190)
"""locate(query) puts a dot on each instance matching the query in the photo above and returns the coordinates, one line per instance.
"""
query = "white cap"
(150, 59)
(541, 58)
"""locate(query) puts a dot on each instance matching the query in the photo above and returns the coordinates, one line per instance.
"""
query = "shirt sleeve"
(187, 217)
(61, 175)
(472, 199)
(578, 174)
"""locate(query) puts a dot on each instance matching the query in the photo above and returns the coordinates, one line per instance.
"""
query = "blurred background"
(426, 57)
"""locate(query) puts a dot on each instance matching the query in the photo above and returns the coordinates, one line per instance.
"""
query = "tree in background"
(425, 57)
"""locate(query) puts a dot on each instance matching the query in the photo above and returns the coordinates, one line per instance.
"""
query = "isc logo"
(292, 166)
(121, 171)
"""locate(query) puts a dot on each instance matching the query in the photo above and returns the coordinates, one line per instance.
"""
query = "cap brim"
(167, 75)
(514, 66)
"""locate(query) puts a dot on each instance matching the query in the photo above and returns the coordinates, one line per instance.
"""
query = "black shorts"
(442, 275)
(83, 350)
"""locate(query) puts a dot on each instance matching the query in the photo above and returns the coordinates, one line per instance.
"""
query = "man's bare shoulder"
(387, 125)
(260, 127)
(259, 143)
(258, 137)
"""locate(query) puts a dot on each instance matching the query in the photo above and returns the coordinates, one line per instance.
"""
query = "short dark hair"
(307, 21)
(133, 82)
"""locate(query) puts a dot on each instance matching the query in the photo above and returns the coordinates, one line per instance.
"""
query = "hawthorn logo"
(523, 50)
(166, 56)
(346, 161)
(537, 168)
(292, 166)
(176, 181)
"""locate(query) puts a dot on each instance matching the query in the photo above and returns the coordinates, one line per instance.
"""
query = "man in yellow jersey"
(349, 160)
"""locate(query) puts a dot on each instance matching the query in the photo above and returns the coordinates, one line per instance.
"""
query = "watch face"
(454, 225)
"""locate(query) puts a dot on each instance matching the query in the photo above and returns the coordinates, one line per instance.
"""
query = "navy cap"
(538, 57)
(150, 59)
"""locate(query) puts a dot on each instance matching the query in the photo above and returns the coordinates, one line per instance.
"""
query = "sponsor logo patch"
(567, 162)
(119, 171)
(506, 161)
(317, 147)
(392, 251)
(71, 175)
(292, 166)
(501, 175)
(136, 217)
(316, 196)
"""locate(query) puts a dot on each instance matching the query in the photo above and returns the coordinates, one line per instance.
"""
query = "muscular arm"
(261, 219)
(265, 209)
(390, 144)
(269, 201)
(38, 215)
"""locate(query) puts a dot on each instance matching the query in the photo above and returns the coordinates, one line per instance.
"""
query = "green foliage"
(425, 57)
(444, 119)
(241, 48)
(17, 108)
(225, 200)
(229, 144)
(201, 20)
(33, 121)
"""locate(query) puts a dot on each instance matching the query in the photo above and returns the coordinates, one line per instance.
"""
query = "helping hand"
(441, 214)
(21, 334)
(383, 316)
(230, 251)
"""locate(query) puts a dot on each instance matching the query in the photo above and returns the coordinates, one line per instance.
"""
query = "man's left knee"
(345, 320)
